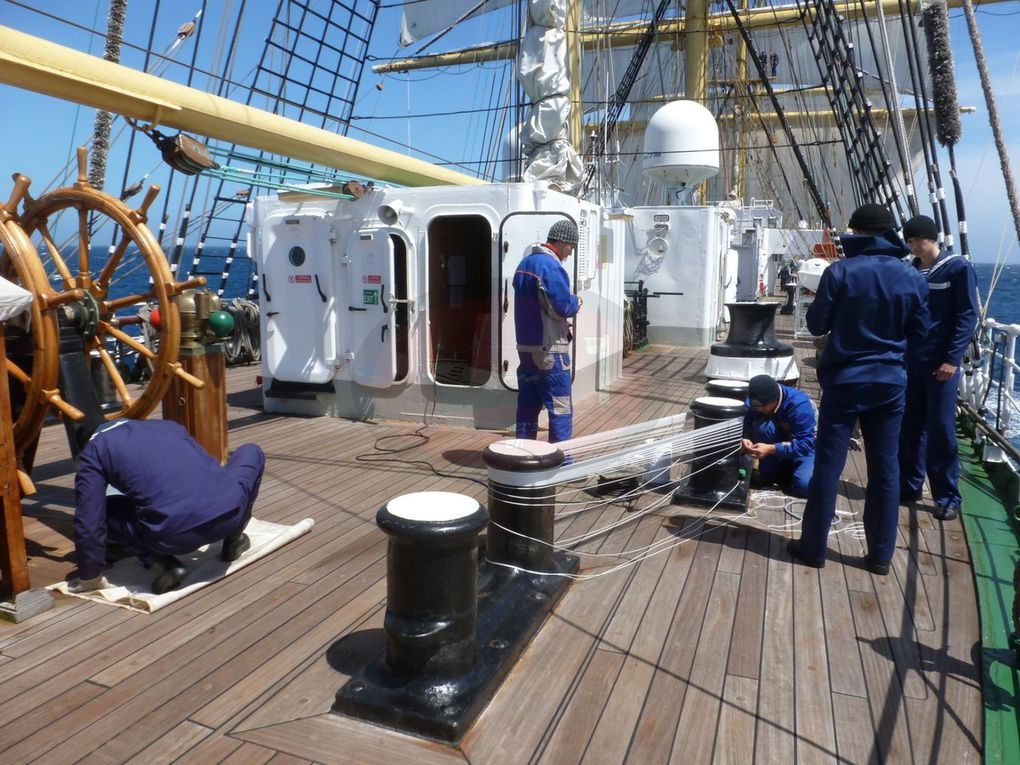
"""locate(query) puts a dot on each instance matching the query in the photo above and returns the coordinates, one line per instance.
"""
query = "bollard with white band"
(521, 533)
(717, 475)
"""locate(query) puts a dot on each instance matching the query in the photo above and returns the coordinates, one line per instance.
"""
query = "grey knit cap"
(563, 231)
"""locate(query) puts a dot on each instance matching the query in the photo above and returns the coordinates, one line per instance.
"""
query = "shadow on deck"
(719, 649)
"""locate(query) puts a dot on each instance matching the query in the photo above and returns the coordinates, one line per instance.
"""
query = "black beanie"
(872, 218)
(921, 226)
(762, 390)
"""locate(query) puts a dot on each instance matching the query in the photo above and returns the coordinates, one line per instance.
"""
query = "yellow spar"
(35, 64)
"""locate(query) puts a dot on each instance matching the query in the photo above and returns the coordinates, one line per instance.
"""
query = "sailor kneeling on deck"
(779, 432)
(171, 497)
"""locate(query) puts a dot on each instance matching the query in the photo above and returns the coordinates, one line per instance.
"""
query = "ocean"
(1004, 305)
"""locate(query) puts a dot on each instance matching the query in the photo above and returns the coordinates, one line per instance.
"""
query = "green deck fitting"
(989, 495)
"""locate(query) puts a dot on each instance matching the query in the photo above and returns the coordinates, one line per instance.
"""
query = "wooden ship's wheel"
(92, 292)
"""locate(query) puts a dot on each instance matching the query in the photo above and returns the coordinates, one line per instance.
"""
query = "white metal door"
(297, 297)
(368, 292)
(518, 233)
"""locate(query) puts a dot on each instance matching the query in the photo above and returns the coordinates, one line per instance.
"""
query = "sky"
(38, 132)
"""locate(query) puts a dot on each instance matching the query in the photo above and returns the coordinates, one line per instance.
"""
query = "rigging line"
(763, 76)
(799, 96)
(993, 114)
(166, 60)
(890, 93)
(622, 92)
(131, 139)
(939, 205)
(921, 105)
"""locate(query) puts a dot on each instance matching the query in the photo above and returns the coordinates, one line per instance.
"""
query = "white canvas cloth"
(13, 300)
(130, 580)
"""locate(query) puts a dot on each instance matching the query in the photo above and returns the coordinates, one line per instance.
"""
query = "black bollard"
(714, 476)
(426, 682)
(431, 582)
(526, 510)
(751, 347)
(727, 389)
(455, 629)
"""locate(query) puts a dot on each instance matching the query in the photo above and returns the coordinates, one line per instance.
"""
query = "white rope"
(650, 551)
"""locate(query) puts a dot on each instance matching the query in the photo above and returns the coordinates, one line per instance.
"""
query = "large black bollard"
(751, 347)
(426, 682)
(715, 476)
(455, 629)
(431, 582)
(528, 511)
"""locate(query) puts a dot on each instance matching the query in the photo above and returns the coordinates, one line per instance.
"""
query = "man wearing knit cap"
(928, 438)
(779, 432)
(871, 304)
(543, 303)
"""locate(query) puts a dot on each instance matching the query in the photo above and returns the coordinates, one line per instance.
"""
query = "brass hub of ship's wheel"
(67, 275)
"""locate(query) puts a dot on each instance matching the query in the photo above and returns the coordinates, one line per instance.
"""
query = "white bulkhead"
(681, 256)
(400, 304)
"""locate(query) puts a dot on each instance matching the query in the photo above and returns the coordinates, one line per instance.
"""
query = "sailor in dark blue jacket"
(542, 305)
(928, 438)
(779, 431)
(871, 304)
(171, 498)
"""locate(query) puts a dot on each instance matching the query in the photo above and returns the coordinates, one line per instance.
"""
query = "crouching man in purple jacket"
(174, 497)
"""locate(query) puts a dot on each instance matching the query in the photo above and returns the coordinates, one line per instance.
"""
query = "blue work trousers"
(879, 408)
(543, 380)
(245, 466)
(792, 473)
(928, 441)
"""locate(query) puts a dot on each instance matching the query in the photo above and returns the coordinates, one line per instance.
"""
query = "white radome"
(681, 144)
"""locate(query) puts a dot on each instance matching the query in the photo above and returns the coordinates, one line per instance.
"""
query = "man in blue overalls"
(779, 432)
(171, 498)
(542, 305)
(928, 438)
(871, 304)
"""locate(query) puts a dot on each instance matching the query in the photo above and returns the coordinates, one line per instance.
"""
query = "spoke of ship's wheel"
(103, 282)
(129, 300)
(18, 373)
(129, 341)
(83, 241)
(111, 368)
(58, 261)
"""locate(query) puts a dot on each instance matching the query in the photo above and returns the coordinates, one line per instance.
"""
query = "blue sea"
(1004, 305)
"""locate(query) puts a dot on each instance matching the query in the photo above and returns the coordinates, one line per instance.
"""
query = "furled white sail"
(542, 71)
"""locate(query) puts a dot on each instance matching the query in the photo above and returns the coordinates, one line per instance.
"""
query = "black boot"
(170, 572)
(234, 546)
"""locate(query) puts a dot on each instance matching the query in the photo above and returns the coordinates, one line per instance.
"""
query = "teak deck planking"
(717, 650)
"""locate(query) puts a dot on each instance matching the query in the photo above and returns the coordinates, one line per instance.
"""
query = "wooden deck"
(719, 650)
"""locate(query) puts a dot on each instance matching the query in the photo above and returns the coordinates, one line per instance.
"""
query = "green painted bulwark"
(990, 496)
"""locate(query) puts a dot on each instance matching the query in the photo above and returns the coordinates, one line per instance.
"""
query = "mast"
(574, 51)
(696, 42)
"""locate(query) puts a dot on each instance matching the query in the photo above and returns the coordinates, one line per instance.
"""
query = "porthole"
(296, 256)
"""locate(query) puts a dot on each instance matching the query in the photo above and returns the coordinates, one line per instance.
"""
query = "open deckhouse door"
(518, 233)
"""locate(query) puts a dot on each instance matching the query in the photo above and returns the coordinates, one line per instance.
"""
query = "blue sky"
(39, 132)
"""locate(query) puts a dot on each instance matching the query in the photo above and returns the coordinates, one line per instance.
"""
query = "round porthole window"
(296, 256)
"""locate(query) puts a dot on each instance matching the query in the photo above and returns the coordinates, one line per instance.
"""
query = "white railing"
(993, 372)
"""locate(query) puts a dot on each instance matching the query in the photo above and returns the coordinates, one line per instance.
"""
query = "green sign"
(370, 297)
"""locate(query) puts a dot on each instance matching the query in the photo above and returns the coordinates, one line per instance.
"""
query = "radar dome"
(681, 144)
